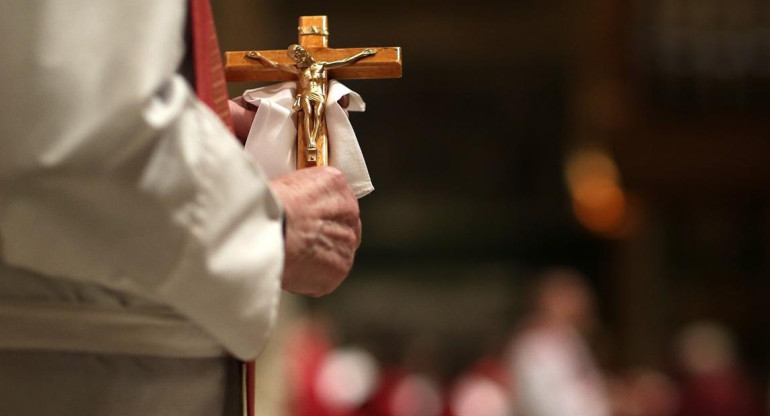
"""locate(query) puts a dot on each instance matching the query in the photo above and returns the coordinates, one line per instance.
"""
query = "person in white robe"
(141, 249)
(551, 368)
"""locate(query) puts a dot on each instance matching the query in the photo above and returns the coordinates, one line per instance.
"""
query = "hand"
(323, 229)
(243, 115)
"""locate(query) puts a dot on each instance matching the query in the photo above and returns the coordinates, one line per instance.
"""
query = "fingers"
(333, 235)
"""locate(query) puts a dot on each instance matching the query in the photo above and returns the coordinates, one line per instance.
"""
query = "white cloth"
(113, 174)
(273, 135)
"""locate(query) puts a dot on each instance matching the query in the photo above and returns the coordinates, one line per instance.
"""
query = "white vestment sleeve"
(113, 173)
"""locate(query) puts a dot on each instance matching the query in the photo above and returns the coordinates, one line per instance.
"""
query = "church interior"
(623, 142)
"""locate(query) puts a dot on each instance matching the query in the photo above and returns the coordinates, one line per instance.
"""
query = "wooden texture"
(313, 41)
(385, 64)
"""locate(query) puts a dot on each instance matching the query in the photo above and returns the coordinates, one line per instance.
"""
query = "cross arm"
(385, 64)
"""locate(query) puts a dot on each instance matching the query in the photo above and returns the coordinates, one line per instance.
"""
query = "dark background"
(468, 153)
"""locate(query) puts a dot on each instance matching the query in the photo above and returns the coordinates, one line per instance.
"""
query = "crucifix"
(312, 63)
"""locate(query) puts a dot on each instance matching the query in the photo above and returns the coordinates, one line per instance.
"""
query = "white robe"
(555, 375)
(127, 209)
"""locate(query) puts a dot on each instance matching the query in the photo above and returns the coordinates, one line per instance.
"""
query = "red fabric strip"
(211, 88)
(210, 83)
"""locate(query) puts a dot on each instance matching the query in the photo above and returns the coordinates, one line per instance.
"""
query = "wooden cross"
(312, 149)
(314, 38)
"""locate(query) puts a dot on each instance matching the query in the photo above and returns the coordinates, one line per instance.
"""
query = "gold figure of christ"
(312, 88)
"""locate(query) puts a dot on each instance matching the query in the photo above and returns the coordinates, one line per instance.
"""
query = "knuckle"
(336, 175)
(353, 238)
(339, 183)
(350, 240)
(342, 269)
(353, 212)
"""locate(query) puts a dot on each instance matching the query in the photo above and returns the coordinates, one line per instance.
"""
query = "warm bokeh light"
(598, 200)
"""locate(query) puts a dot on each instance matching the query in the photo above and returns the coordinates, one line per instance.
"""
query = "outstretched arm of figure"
(258, 57)
(342, 62)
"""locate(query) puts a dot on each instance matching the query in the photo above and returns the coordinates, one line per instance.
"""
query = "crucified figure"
(312, 82)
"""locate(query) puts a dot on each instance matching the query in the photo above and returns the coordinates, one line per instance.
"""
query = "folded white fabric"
(272, 138)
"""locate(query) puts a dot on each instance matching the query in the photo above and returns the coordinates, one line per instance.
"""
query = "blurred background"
(571, 216)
